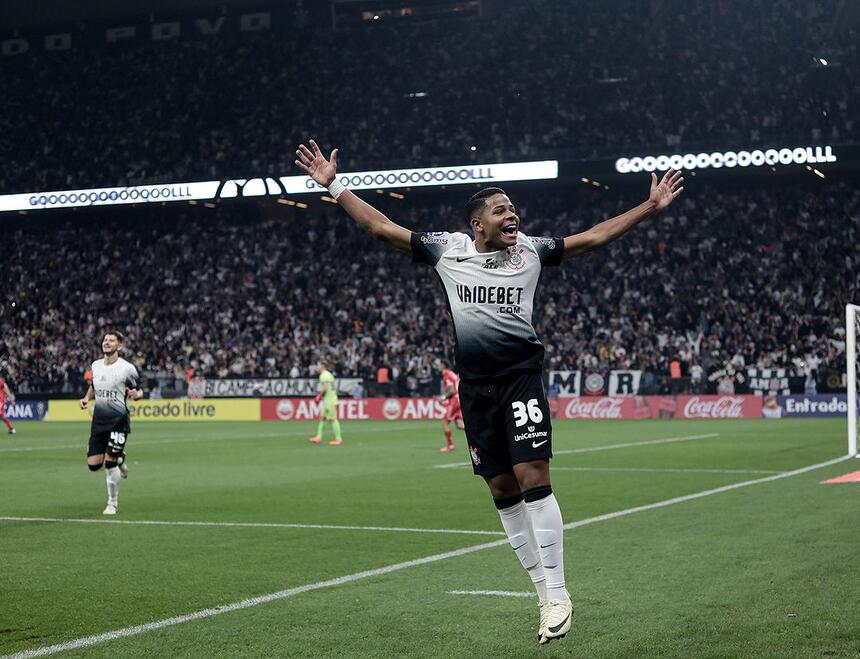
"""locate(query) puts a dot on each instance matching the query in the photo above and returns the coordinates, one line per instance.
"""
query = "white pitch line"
(650, 442)
(494, 593)
(700, 495)
(177, 440)
(672, 471)
(257, 525)
(607, 447)
(88, 641)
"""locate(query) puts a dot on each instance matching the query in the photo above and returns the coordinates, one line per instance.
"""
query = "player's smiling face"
(110, 344)
(497, 224)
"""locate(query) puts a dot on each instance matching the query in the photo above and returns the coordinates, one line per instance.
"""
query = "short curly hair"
(478, 200)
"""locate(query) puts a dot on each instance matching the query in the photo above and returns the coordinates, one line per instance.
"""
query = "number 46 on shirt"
(523, 412)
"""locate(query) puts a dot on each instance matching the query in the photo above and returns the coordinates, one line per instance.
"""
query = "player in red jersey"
(451, 394)
(6, 394)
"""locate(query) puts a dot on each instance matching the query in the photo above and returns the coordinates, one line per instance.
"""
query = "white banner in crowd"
(259, 187)
(137, 194)
(715, 159)
(769, 381)
(263, 387)
(605, 383)
(428, 176)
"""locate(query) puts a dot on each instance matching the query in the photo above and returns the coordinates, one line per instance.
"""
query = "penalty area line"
(89, 641)
(245, 525)
(648, 442)
(607, 447)
(668, 470)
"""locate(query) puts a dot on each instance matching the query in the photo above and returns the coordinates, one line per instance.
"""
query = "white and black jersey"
(490, 297)
(110, 381)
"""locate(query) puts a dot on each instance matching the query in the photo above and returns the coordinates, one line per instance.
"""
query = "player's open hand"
(669, 187)
(314, 163)
(83, 403)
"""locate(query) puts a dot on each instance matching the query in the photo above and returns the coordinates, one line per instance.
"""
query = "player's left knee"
(537, 493)
(94, 467)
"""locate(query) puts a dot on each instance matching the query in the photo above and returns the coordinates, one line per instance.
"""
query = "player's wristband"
(336, 188)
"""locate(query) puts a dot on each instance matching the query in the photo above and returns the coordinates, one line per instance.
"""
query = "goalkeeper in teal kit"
(328, 395)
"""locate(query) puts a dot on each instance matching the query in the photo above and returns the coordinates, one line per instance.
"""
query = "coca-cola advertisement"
(719, 407)
(353, 409)
(659, 407)
(595, 408)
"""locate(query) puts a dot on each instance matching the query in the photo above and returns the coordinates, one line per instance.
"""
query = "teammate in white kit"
(114, 380)
(490, 285)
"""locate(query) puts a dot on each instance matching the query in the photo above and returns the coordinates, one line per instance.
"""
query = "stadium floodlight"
(852, 327)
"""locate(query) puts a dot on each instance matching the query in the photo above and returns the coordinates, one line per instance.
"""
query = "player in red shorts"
(450, 389)
(6, 394)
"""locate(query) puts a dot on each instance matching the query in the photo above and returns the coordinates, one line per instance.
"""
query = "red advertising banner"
(564, 407)
(352, 409)
(659, 407)
(719, 407)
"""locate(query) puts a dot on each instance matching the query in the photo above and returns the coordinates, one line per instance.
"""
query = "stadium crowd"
(729, 277)
(542, 83)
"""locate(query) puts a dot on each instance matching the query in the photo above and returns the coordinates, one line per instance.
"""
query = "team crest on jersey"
(514, 259)
(475, 459)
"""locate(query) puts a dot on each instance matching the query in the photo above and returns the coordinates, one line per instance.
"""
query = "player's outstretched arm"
(662, 194)
(312, 161)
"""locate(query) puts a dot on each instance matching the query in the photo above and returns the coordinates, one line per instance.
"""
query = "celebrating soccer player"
(451, 395)
(114, 380)
(490, 284)
(6, 395)
(328, 395)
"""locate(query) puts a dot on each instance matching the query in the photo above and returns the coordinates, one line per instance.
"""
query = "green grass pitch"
(766, 570)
